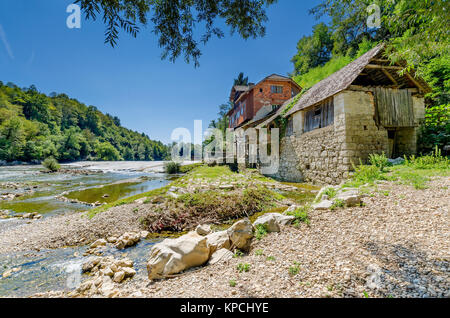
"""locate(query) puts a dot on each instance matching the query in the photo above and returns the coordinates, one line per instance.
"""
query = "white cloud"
(6, 43)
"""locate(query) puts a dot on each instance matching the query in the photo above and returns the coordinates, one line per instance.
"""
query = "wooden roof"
(377, 71)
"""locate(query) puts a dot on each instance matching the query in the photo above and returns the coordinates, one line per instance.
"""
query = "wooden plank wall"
(324, 119)
(394, 107)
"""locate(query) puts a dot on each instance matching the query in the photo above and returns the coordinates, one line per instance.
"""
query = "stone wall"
(327, 155)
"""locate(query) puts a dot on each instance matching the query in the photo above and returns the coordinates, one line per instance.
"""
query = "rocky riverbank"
(396, 244)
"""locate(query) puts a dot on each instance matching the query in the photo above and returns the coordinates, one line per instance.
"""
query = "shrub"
(295, 269)
(301, 215)
(51, 164)
(337, 204)
(172, 167)
(379, 161)
(330, 192)
(259, 252)
(261, 231)
(367, 174)
(232, 283)
(432, 161)
(243, 267)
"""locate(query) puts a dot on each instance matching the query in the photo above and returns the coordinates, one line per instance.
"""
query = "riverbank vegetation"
(210, 195)
(34, 126)
(415, 171)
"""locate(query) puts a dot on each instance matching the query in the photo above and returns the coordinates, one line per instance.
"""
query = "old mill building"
(364, 108)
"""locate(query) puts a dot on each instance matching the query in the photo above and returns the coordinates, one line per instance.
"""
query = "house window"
(260, 90)
(275, 107)
(276, 89)
(320, 116)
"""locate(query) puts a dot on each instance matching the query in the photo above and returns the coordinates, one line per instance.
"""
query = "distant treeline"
(34, 126)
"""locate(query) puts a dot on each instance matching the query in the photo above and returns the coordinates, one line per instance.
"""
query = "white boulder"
(173, 256)
(221, 255)
(218, 240)
(269, 222)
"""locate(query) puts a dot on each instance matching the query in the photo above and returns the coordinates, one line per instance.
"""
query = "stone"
(107, 288)
(125, 262)
(90, 264)
(144, 234)
(112, 239)
(226, 187)
(107, 271)
(127, 240)
(203, 229)
(218, 240)
(129, 271)
(241, 234)
(7, 273)
(283, 219)
(269, 221)
(119, 277)
(350, 198)
(173, 195)
(173, 256)
(219, 256)
(323, 205)
(292, 208)
(100, 242)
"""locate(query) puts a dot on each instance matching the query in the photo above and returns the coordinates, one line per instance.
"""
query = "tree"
(314, 50)
(241, 80)
(175, 21)
(106, 152)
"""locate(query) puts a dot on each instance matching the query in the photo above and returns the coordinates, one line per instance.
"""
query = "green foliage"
(432, 161)
(314, 50)
(270, 258)
(295, 269)
(330, 192)
(379, 161)
(337, 204)
(435, 132)
(175, 22)
(261, 231)
(259, 252)
(301, 215)
(367, 174)
(172, 167)
(232, 283)
(34, 126)
(238, 253)
(51, 164)
(243, 267)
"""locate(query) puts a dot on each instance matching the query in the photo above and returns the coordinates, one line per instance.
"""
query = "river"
(35, 191)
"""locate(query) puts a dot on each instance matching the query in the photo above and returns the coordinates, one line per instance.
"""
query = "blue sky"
(131, 81)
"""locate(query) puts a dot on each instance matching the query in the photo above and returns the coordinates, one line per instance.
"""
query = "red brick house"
(256, 101)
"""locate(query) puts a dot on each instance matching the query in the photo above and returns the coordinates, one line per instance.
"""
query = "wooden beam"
(380, 60)
(387, 67)
(390, 77)
(412, 79)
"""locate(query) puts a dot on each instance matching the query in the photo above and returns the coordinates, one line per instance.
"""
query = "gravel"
(394, 246)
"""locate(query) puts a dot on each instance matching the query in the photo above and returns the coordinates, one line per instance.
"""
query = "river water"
(60, 269)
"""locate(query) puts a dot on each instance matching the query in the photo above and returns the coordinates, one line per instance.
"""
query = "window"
(260, 90)
(320, 116)
(276, 89)
(275, 107)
